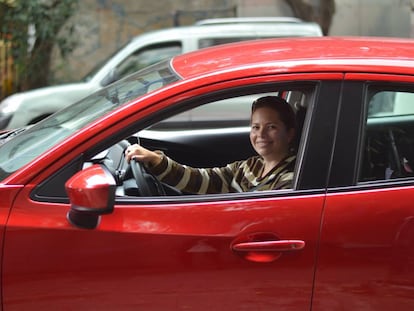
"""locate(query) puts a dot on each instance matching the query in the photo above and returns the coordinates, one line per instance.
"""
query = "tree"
(35, 27)
(307, 12)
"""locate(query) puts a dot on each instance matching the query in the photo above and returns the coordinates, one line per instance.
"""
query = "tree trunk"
(38, 73)
(307, 12)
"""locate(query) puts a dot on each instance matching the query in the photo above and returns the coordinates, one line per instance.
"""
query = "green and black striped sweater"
(239, 176)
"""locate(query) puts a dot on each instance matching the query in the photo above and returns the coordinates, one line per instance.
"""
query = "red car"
(82, 230)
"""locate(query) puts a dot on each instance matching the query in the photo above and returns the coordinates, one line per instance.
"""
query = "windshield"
(28, 144)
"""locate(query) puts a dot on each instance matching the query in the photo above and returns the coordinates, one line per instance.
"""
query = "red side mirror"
(91, 193)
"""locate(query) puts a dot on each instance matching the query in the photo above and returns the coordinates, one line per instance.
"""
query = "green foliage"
(35, 27)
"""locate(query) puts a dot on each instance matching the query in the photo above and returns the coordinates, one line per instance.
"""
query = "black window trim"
(348, 154)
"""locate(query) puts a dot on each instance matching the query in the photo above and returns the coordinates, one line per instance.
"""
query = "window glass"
(145, 57)
(387, 103)
(206, 42)
(388, 150)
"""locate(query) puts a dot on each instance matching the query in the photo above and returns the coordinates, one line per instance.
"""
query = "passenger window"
(388, 103)
(388, 150)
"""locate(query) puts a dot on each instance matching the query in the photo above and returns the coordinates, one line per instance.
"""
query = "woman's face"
(269, 135)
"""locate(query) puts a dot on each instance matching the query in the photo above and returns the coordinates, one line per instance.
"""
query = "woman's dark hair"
(281, 106)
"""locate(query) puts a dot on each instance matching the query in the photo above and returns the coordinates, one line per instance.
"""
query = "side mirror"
(91, 194)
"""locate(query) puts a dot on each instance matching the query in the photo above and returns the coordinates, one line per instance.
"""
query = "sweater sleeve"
(193, 180)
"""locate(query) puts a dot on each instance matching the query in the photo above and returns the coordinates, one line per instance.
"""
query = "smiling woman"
(272, 131)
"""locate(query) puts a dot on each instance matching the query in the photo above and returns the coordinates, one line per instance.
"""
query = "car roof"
(232, 20)
(234, 27)
(368, 54)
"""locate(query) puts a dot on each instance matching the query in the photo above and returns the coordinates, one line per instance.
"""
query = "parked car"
(29, 107)
(79, 235)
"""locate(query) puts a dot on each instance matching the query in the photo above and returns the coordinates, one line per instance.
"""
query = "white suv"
(26, 108)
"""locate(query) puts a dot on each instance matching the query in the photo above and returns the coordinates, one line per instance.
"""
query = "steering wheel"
(148, 185)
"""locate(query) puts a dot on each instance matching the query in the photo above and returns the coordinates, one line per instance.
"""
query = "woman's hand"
(143, 155)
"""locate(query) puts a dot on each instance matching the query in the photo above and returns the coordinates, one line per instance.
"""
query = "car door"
(366, 259)
(253, 251)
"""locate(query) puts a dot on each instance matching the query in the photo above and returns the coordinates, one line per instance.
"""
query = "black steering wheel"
(148, 185)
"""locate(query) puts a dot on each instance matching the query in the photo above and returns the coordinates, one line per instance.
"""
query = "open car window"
(213, 134)
(207, 137)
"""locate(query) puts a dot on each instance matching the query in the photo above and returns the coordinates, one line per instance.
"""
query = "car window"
(212, 146)
(143, 58)
(388, 150)
(206, 42)
(216, 133)
(98, 66)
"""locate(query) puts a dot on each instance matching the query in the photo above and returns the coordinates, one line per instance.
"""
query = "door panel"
(163, 257)
(214, 252)
(367, 251)
(366, 258)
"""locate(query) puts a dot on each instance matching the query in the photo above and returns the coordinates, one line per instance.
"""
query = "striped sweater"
(239, 176)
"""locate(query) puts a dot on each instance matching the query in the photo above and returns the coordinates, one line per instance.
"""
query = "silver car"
(29, 107)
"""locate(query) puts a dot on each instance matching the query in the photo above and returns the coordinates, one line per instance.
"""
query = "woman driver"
(272, 132)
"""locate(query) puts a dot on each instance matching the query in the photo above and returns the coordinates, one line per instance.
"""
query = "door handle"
(269, 246)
